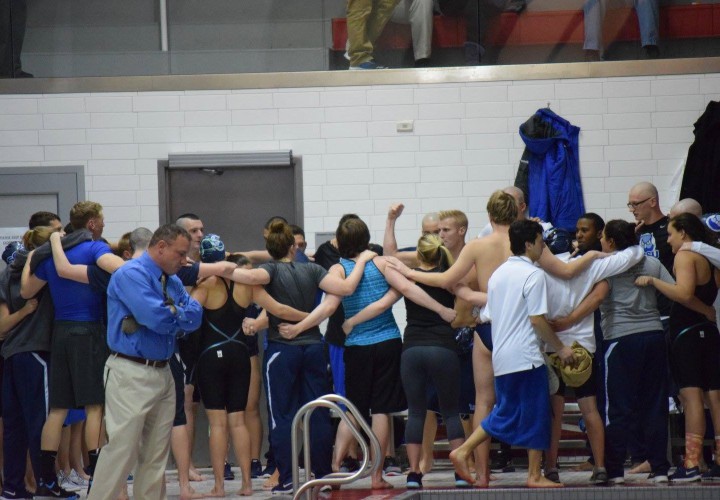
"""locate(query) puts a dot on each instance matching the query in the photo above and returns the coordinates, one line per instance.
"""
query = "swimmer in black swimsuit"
(224, 362)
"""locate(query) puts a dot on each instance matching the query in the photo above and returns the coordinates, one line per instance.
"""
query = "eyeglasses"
(635, 204)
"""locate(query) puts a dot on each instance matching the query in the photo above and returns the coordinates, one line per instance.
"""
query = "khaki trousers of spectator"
(366, 20)
(139, 412)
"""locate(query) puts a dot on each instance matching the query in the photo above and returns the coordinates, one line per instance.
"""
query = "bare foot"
(381, 485)
(245, 491)
(641, 468)
(543, 482)
(459, 461)
(217, 491)
(272, 481)
(195, 476)
(188, 492)
(583, 467)
(482, 481)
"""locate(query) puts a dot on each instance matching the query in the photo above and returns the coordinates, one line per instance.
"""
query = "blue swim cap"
(712, 222)
(11, 251)
(558, 240)
(212, 249)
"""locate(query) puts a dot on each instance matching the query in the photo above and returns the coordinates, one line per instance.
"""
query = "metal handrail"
(311, 487)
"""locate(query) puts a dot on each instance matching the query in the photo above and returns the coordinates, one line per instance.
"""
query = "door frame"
(64, 205)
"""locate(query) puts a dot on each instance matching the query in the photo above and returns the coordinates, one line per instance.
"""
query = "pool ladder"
(311, 488)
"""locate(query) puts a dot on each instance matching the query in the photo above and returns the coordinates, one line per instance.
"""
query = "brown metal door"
(233, 201)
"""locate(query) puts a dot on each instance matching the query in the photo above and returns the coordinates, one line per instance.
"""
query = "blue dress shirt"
(135, 290)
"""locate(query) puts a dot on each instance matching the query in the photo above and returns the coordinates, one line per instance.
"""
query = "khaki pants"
(366, 20)
(139, 412)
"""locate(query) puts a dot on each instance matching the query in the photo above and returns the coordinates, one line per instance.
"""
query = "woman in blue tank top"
(373, 348)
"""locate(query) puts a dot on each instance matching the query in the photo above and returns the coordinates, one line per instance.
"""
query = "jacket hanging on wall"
(701, 179)
(549, 170)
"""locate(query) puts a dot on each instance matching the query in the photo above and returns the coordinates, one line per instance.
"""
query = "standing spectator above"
(419, 14)
(648, 13)
(366, 20)
(13, 16)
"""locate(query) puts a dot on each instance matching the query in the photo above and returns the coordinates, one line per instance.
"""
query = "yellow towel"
(577, 375)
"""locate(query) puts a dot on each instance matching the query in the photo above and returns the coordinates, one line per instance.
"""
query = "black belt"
(142, 361)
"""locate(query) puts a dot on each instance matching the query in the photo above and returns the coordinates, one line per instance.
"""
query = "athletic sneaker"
(501, 463)
(616, 480)
(683, 475)
(53, 490)
(499, 467)
(391, 467)
(599, 476)
(15, 495)
(367, 65)
(283, 489)
(349, 464)
(414, 480)
(712, 474)
(660, 478)
(255, 468)
(65, 482)
(229, 475)
(76, 479)
(269, 469)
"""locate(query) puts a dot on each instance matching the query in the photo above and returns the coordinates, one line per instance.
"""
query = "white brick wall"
(464, 144)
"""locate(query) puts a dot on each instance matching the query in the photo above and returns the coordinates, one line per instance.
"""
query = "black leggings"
(441, 367)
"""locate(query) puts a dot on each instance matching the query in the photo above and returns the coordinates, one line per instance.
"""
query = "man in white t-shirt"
(517, 304)
(564, 296)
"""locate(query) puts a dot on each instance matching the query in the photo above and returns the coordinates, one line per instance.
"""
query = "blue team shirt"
(75, 301)
(135, 290)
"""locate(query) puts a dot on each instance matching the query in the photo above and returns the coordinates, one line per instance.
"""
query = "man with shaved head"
(644, 204)
(686, 205)
(651, 228)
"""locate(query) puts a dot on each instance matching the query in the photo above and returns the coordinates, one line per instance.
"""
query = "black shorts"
(694, 358)
(77, 362)
(372, 377)
(589, 388)
(223, 375)
(176, 368)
